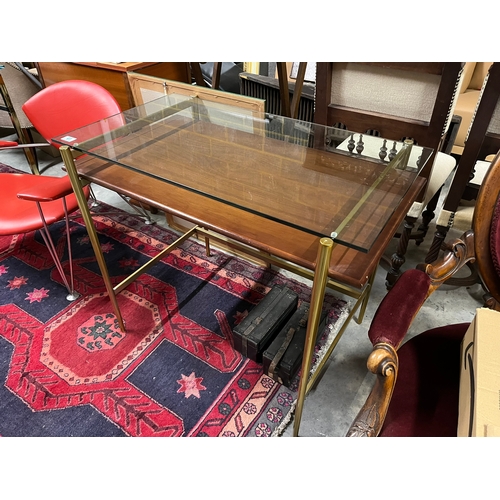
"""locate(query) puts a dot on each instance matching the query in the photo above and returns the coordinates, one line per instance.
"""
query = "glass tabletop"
(323, 180)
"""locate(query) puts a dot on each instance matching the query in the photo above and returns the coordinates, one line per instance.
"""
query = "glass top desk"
(304, 197)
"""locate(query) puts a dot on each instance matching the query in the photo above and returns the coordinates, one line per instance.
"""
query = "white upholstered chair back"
(384, 90)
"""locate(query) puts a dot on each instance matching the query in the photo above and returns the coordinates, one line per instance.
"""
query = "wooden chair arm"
(458, 253)
(383, 362)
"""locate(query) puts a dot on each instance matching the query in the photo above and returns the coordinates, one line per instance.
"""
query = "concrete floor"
(331, 407)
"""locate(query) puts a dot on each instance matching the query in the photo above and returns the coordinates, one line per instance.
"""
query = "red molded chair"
(71, 104)
(424, 401)
(66, 106)
(33, 202)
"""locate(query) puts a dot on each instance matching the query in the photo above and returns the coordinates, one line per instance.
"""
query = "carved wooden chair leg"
(427, 215)
(398, 258)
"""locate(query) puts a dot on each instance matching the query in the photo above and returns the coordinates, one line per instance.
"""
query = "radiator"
(267, 88)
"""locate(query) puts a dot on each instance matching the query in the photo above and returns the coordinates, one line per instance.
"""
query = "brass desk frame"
(319, 276)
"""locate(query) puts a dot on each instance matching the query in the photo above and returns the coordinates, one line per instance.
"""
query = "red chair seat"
(425, 398)
(21, 216)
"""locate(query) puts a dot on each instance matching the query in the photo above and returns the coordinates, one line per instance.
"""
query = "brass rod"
(69, 162)
(400, 158)
(325, 248)
(279, 262)
(326, 356)
(364, 304)
(123, 284)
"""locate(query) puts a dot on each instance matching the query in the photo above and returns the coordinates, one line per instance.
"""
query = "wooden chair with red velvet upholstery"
(417, 382)
(32, 202)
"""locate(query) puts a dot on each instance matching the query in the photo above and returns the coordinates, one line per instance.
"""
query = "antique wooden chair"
(483, 139)
(417, 383)
(396, 101)
(15, 89)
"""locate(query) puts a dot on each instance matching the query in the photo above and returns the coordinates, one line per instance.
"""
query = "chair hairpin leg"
(93, 198)
(142, 212)
(72, 294)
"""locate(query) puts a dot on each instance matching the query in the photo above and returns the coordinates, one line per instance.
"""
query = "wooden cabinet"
(112, 76)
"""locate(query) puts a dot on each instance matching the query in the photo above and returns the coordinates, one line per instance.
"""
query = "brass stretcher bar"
(343, 269)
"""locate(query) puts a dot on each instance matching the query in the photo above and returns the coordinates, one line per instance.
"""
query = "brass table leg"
(317, 296)
(69, 162)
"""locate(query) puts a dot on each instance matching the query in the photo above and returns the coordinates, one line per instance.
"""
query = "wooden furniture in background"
(145, 88)
(470, 91)
(15, 90)
(112, 76)
(290, 109)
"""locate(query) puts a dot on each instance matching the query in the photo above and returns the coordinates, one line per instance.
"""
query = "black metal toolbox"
(253, 335)
(283, 358)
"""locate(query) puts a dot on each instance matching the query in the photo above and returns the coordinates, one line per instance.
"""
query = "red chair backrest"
(68, 105)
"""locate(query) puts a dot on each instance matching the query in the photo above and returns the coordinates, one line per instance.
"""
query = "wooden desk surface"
(313, 190)
(347, 266)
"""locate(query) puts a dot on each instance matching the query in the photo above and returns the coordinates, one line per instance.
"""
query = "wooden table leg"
(317, 296)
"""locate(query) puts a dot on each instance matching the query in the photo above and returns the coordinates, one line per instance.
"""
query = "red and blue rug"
(66, 369)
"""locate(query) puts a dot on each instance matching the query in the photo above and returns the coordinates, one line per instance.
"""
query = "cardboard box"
(479, 399)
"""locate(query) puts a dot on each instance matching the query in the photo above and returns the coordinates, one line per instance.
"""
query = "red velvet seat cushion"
(425, 399)
(20, 216)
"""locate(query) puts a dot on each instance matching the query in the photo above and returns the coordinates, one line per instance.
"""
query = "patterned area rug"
(66, 369)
